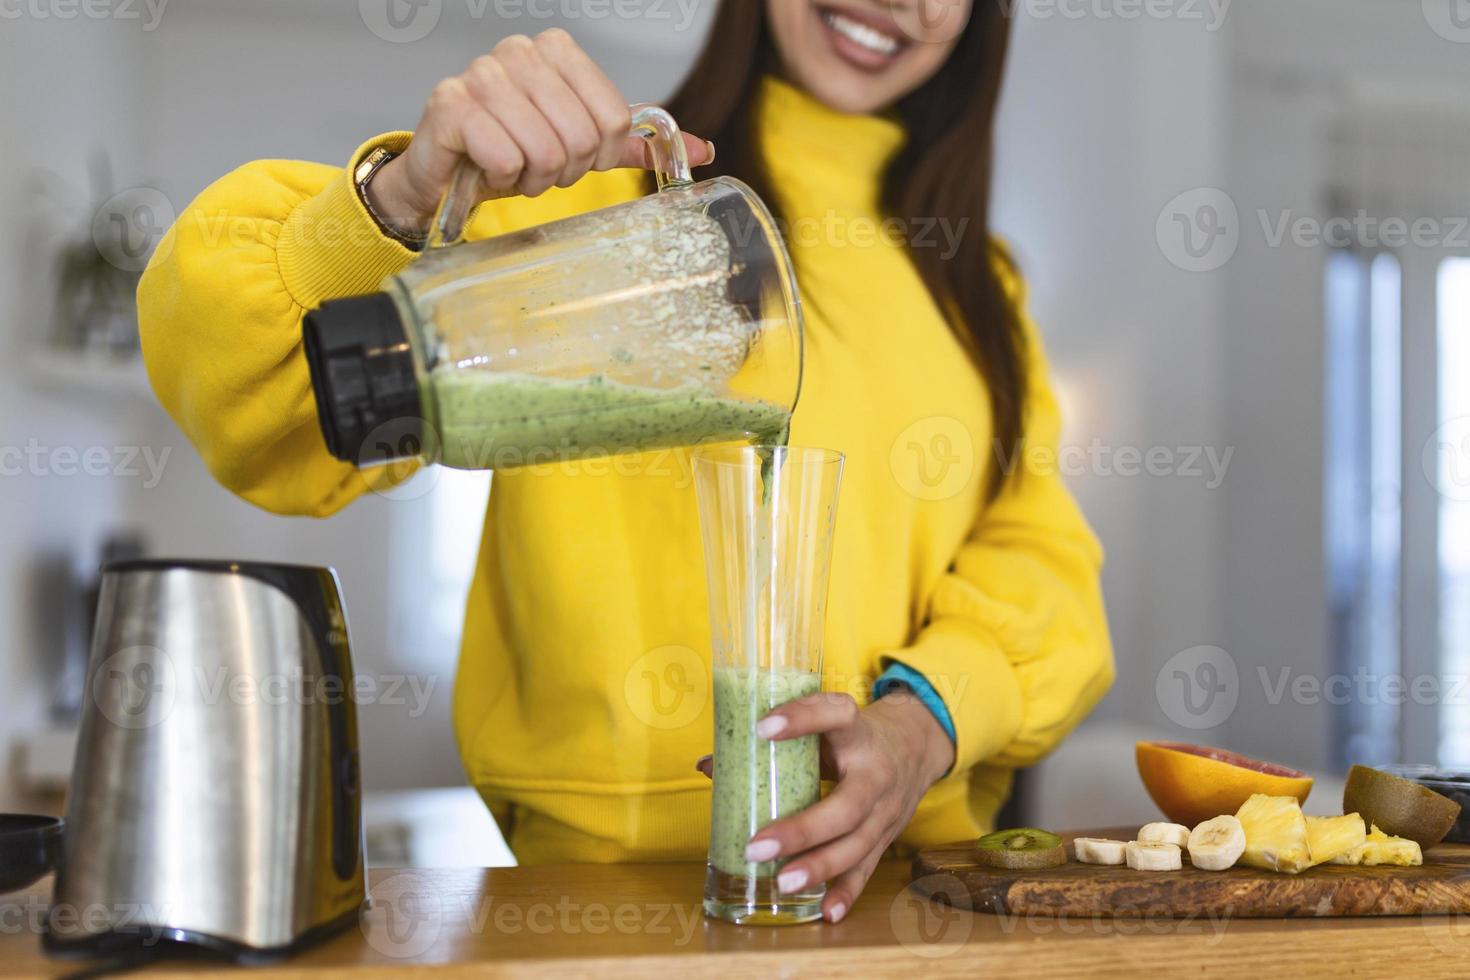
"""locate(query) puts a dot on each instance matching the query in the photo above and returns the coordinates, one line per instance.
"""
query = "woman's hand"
(532, 114)
(884, 758)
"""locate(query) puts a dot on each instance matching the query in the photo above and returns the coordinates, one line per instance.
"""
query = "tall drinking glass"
(767, 515)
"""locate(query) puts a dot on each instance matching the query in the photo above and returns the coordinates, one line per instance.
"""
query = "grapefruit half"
(1194, 783)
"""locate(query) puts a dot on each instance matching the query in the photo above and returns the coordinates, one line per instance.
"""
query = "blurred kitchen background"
(1268, 411)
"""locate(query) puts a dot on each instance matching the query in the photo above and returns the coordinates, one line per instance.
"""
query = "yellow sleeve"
(1016, 641)
(221, 303)
(220, 309)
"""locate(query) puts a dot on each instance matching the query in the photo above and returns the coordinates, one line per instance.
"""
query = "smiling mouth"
(863, 44)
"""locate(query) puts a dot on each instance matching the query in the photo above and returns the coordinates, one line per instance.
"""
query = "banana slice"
(1097, 850)
(1217, 844)
(1164, 833)
(1153, 856)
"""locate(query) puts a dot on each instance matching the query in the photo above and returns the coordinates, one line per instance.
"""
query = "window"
(1362, 509)
(1451, 455)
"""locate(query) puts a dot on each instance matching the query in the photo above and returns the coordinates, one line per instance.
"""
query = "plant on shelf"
(98, 269)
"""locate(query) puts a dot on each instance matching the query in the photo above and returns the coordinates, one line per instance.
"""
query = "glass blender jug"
(671, 320)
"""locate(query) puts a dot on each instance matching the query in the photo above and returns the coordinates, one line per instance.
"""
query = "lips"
(863, 39)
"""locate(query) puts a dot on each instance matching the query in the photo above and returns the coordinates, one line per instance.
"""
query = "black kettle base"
(136, 947)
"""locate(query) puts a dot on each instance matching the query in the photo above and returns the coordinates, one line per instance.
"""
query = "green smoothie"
(757, 782)
(496, 420)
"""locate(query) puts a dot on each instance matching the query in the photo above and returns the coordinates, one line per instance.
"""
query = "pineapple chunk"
(1275, 834)
(1380, 848)
(1328, 837)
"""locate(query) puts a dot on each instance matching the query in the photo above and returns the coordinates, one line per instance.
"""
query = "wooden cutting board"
(1440, 887)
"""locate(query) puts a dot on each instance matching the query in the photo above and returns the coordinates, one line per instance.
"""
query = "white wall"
(1092, 146)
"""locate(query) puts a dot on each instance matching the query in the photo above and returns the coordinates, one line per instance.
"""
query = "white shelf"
(61, 371)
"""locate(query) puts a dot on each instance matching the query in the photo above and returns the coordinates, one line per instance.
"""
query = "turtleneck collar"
(812, 149)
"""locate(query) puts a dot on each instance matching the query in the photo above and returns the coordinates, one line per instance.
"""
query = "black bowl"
(30, 846)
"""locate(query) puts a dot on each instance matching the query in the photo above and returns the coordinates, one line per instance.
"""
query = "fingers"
(843, 891)
(496, 82)
(706, 765)
(532, 114)
(531, 65)
(833, 860)
(604, 104)
(634, 152)
(844, 811)
(815, 714)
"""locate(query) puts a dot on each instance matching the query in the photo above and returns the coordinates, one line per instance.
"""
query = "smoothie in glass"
(757, 782)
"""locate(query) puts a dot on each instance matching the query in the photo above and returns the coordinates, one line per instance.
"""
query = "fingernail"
(836, 912)
(699, 763)
(791, 881)
(711, 147)
(771, 727)
(762, 850)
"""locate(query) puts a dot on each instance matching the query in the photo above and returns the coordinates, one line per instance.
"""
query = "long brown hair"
(943, 171)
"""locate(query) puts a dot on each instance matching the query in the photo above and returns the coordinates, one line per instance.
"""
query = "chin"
(845, 90)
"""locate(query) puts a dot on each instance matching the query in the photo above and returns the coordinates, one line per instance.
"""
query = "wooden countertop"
(644, 920)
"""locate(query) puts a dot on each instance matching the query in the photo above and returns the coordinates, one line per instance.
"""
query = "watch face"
(369, 163)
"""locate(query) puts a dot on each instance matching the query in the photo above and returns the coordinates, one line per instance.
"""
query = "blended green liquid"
(497, 420)
(757, 782)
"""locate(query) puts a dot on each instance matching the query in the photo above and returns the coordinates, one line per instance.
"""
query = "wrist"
(929, 743)
(388, 197)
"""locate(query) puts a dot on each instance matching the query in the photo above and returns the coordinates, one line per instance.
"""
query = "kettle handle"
(665, 144)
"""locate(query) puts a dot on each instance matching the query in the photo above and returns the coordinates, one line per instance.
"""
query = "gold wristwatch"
(361, 177)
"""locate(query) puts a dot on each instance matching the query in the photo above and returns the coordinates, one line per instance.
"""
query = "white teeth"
(861, 34)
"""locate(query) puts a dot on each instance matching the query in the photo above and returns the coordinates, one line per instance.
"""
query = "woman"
(970, 587)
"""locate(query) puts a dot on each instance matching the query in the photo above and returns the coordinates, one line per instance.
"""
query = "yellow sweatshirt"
(582, 700)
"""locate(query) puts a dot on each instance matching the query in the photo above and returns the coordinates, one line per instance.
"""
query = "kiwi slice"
(1022, 849)
(1398, 806)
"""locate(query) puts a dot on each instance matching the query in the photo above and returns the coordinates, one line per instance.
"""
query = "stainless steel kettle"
(215, 799)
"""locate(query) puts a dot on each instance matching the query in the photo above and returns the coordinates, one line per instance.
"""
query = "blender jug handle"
(653, 123)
